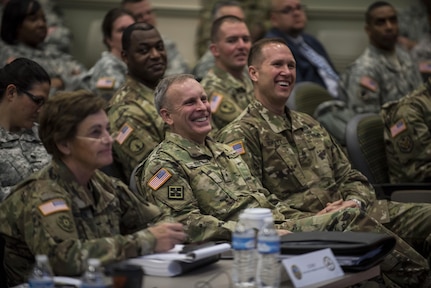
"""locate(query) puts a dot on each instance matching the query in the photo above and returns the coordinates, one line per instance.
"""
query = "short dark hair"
(127, 34)
(163, 86)
(109, 19)
(255, 53)
(220, 4)
(218, 22)
(372, 7)
(23, 73)
(62, 113)
(14, 14)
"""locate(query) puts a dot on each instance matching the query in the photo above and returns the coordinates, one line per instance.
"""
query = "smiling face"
(33, 29)
(146, 57)
(274, 75)
(188, 111)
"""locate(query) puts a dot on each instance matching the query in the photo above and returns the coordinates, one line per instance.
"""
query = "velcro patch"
(398, 127)
(124, 133)
(369, 83)
(159, 179)
(53, 206)
(405, 144)
(176, 193)
(238, 147)
(425, 67)
(215, 102)
(105, 83)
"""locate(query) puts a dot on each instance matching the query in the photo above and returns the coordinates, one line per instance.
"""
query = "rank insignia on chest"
(159, 179)
(176, 193)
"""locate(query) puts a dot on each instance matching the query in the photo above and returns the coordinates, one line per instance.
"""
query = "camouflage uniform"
(228, 96)
(132, 112)
(421, 54)
(373, 80)
(407, 136)
(106, 76)
(56, 63)
(50, 213)
(21, 154)
(205, 63)
(176, 62)
(206, 187)
(413, 21)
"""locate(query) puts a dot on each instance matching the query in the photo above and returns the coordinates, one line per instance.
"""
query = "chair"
(366, 149)
(306, 96)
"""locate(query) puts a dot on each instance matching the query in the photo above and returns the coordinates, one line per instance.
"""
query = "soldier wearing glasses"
(24, 87)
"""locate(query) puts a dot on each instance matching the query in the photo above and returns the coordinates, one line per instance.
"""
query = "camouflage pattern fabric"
(297, 160)
(204, 64)
(50, 213)
(421, 54)
(228, 96)
(408, 137)
(56, 63)
(413, 21)
(131, 112)
(21, 154)
(373, 79)
(176, 62)
(106, 76)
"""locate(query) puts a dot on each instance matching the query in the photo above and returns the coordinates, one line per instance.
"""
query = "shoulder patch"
(425, 67)
(53, 206)
(159, 179)
(216, 99)
(105, 83)
(398, 127)
(124, 133)
(369, 83)
(176, 192)
(238, 146)
(405, 144)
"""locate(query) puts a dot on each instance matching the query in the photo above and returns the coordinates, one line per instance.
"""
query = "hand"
(337, 206)
(283, 232)
(167, 235)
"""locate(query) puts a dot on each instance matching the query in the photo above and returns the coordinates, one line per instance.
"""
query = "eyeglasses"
(38, 100)
(103, 139)
(289, 9)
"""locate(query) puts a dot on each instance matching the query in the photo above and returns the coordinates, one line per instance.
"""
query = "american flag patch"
(425, 67)
(124, 132)
(238, 147)
(369, 83)
(159, 179)
(215, 102)
(398, 127)
(53, 206)
(105, 83)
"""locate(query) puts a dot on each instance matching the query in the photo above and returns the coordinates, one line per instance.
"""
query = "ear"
(214, 49)
(166, 116)
(10, 91)
(64, 147)
(253, 73)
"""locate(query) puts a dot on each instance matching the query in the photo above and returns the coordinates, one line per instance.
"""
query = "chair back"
(366, 147)
(306, 96)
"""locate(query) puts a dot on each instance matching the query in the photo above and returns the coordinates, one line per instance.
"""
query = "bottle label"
(268, 247)
(242, 243)
(41, 283)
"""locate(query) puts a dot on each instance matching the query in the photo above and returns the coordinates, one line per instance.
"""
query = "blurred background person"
(109, 72)
(24, 88)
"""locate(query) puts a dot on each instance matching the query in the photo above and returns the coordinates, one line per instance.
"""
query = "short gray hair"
(163, 86)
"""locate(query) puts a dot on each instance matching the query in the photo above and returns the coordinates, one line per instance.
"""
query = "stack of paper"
(174, 262)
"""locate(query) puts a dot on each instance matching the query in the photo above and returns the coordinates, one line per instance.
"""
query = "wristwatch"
(358, 203)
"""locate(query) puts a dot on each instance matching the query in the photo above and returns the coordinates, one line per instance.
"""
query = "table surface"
(217, 275)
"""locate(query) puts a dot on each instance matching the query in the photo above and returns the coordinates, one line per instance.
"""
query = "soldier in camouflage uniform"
(144, 13)
(28, 42)
(407, 136)
(414, 23)
(131, 110)
(298, 161)
(69, 209)
(205, 185)
(384, 72)
(109, 72)
(21, 151)
(227, 84)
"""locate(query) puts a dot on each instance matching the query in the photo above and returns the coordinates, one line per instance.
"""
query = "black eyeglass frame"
(39, 101)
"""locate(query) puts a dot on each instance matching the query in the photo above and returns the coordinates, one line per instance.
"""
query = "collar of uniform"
(195, 150)
(276, 122)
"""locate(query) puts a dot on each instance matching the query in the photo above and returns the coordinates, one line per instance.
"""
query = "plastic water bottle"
(93, 276)
(42, 276)
(244, 255)
(268, 248)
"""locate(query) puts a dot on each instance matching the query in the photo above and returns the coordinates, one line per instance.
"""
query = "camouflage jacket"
(204, 187)
(373, 79)
(204, 64)
(228, 96)
(413, 21)
(21, 154)
(131, 111)
(408, 136)
(50, 213)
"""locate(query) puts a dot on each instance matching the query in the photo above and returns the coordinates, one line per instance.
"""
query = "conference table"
(218, 275)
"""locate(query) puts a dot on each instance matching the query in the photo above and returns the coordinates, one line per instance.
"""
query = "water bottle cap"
(41, 258)
(93, 262)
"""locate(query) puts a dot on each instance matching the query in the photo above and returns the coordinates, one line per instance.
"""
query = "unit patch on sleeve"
(398, 127)
(159, 179)
(238, 147)
(53, 206)
(176, 193)
(105, 83)
(124, 133)
(369, 83)
(215, 102)
(405, 144)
